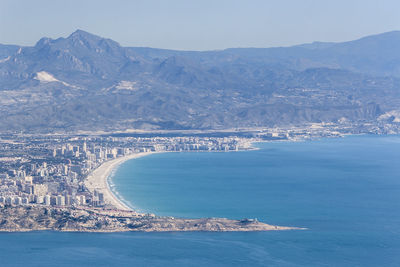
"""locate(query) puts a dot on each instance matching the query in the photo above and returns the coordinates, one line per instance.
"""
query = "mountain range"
(86, 82)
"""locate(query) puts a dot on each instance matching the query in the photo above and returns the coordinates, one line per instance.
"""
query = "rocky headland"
(36, 218)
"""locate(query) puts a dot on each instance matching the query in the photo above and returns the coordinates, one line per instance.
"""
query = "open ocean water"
(346, 191)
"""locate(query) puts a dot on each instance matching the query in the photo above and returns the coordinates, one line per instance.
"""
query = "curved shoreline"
(98, 180)
(117, 216)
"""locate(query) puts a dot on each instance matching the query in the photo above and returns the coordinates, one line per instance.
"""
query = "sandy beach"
(98, 179)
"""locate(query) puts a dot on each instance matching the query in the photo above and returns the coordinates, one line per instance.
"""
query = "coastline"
(117, 216)
(98, 180)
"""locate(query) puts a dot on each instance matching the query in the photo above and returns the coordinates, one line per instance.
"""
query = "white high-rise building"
(68, 200)
(60, 201)
(39, 199)
(82, 200)
(47, 200)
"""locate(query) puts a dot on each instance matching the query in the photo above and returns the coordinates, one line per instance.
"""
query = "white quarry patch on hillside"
(5, 59)
(126, 85)
(45, 77)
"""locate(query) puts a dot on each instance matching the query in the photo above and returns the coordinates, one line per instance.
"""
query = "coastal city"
(52, 170)
(72, 170)
(61, 182)
(57, 170)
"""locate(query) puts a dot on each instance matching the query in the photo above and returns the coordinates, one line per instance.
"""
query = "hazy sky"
(201, 24)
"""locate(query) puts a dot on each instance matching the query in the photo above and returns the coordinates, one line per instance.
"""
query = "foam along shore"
(98, 180)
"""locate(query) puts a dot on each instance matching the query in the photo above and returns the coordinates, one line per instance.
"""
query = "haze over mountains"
(85, 82)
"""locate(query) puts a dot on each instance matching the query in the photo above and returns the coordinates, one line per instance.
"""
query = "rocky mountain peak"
(82, 38)
(43, 42)
(83, 35)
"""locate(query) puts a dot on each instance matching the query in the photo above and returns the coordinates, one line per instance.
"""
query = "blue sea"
(346, 191)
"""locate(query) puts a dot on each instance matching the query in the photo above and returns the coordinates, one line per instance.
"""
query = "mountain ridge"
(93, 82)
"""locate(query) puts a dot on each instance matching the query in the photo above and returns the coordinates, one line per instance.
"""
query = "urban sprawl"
(51, 170)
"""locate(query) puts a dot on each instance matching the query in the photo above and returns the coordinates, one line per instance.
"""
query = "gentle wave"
(114, 191)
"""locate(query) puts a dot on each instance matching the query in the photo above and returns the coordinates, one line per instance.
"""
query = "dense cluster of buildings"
(50, 170)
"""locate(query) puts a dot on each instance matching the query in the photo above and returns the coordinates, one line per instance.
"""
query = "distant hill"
(376, 55)
(88, 82)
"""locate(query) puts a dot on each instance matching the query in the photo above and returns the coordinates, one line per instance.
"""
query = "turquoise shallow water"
(346, 191)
